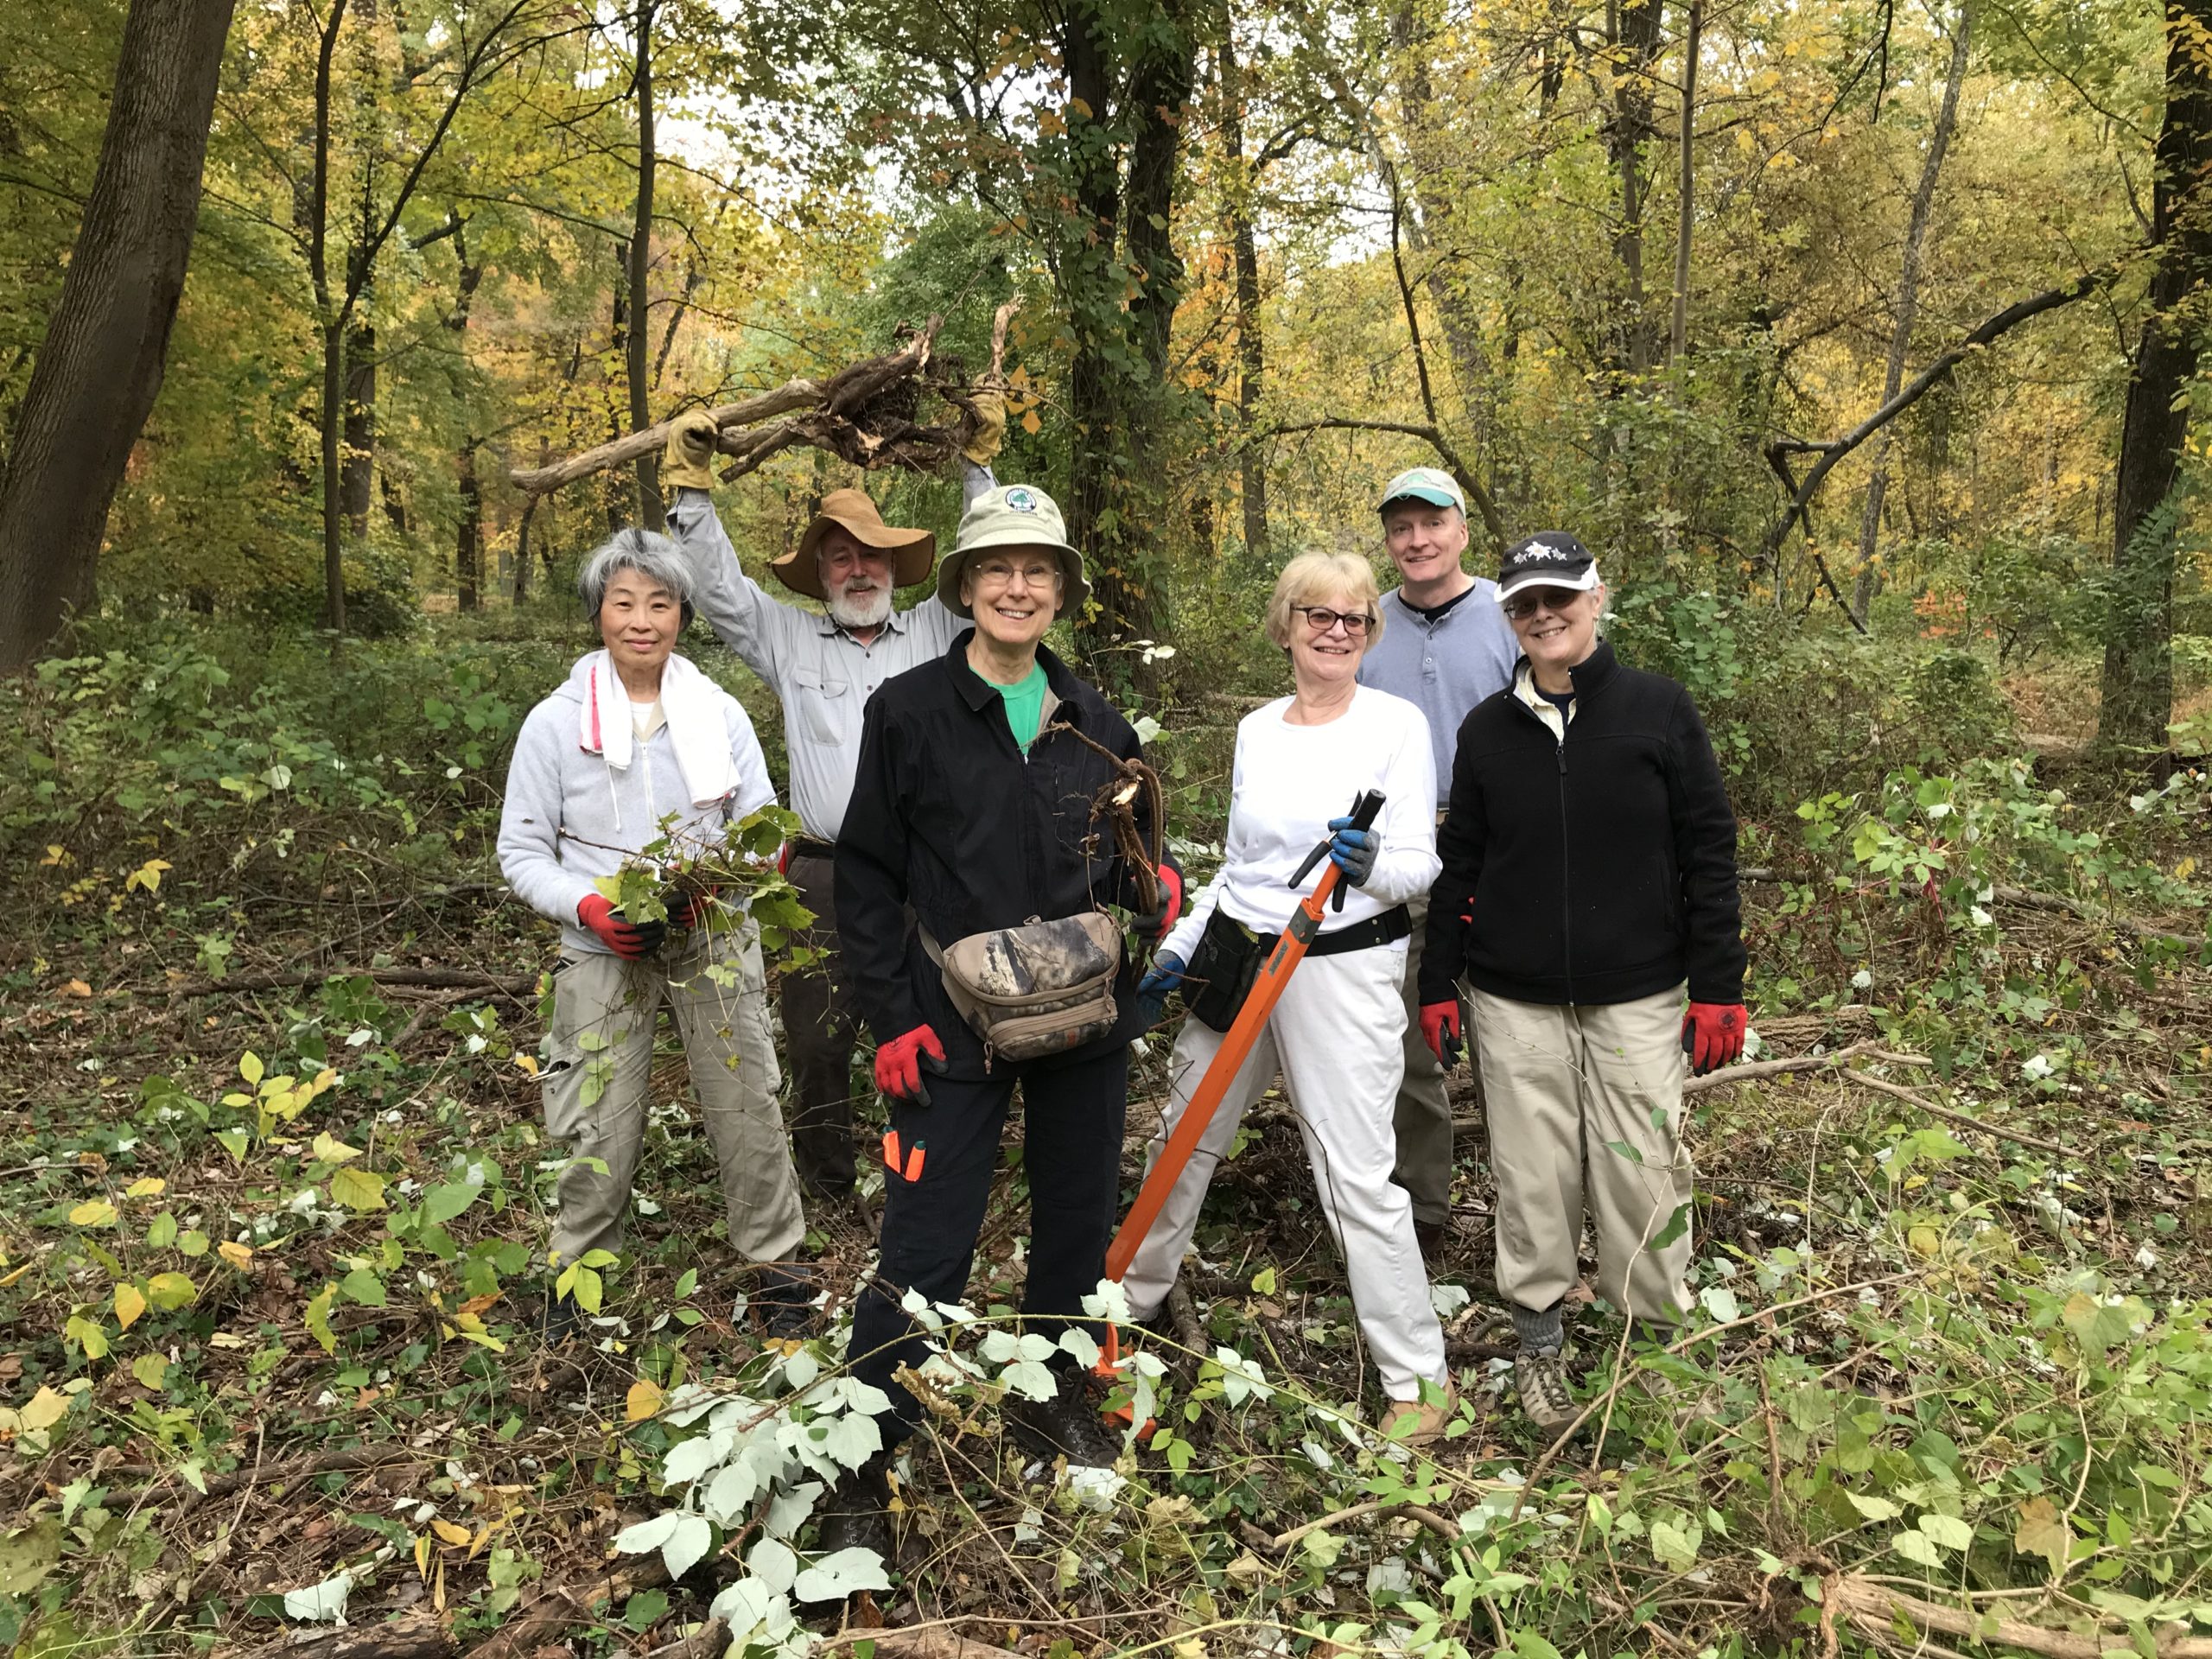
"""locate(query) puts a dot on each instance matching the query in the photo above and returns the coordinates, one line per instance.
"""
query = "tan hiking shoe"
(1414, 1422)
(1546, 1401)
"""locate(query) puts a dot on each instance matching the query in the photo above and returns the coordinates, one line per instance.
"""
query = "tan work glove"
(990, 425)
(687, 461)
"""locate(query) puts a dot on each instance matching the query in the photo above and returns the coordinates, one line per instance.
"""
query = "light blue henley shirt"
(1444, 667)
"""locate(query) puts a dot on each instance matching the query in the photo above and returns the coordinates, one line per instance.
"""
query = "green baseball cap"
(1438, 488)
(1013, 515)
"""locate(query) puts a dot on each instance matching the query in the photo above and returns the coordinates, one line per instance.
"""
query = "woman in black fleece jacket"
(1589, 880)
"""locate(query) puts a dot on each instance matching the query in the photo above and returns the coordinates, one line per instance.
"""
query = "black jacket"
(949, 824)
(1600, 869)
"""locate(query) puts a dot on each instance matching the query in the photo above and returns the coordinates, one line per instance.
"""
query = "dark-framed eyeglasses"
(1321, 619)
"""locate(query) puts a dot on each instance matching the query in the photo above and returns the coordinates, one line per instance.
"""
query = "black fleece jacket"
(949, 824)
(1596, 870)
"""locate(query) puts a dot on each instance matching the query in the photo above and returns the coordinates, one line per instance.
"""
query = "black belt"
(1393, 924)
(809, 847)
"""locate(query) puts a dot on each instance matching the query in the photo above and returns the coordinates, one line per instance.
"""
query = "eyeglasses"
(1321, 619)
(998, 572)
(1522, 607)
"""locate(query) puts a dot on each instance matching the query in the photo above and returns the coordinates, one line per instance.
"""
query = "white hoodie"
(571, 817)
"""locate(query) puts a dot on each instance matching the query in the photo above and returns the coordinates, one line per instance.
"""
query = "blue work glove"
(1352, 850)
(1161, 978)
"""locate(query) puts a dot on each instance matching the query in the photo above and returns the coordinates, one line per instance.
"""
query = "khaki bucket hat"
(851, 511)
(1013, 515)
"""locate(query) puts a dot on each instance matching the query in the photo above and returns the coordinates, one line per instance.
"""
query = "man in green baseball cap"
(1443, 647)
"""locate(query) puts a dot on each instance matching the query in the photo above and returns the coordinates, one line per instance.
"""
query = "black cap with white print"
(1550, 558)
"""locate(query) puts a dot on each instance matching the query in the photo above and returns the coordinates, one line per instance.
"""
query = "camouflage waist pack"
(1039, 988)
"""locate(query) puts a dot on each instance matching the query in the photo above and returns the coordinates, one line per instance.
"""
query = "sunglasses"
(1522, 607)
(1321, 619)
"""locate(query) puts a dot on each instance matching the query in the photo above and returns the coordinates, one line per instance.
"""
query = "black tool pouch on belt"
(1221, 971)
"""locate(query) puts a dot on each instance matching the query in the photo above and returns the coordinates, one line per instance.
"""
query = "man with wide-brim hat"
(824, 665)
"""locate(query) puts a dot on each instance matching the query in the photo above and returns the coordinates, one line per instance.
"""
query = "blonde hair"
(1317, 576)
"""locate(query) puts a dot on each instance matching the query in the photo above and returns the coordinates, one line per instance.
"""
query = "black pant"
(818, 1026)
(1072, 1151)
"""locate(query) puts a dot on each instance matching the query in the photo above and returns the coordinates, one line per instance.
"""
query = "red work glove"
(1169, 908)
(1713, 1035)
(632, 940)
(784, 860)
(1439, 1029)
(898, 1066)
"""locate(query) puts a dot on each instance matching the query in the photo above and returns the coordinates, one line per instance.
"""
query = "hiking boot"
(1545, 1400)
(1434, 1237)
(560, 1321)
(1068, 1425)
(1412, 1422)
(856, 1512)
(783, 1296)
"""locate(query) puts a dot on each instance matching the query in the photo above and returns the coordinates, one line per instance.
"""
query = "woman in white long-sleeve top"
(1337, 1035)
(637, 740)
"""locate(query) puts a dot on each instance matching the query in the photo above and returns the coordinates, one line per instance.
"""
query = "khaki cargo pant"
(1565, 1087)
(599, 1058)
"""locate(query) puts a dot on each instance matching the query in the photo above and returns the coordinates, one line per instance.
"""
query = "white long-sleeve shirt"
(1289, 781)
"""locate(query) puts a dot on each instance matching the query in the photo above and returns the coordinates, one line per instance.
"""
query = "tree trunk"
(2139, 669)
(637, 355)
(357, 456)
(1678, 337)
(1633, 29)
(1116, 382)
(1916, 243)
(100, 365)
(1251, 347)
(331, 318)
(468, 541)
(468, 536)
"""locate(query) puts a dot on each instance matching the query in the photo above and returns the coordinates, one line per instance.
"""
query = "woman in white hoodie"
(639, 745)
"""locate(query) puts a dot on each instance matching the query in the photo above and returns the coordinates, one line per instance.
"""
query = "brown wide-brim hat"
(913, 552)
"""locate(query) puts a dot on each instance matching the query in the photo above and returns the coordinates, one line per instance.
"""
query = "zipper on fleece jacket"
(1566, 866)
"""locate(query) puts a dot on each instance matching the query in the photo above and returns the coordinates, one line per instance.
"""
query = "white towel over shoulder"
(695, 725)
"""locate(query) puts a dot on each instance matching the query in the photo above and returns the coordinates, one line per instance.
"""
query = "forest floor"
(269, 1286)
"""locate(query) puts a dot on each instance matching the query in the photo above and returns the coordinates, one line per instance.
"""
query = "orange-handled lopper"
(1259, 1002)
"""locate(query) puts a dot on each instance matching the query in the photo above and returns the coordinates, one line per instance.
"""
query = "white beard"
(868, 611)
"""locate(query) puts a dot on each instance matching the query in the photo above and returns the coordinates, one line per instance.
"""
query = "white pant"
(1336, 1036)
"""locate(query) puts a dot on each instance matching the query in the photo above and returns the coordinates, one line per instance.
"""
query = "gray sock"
(1540, 1333)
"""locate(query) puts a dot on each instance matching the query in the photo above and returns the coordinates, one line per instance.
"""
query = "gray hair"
(651, 555)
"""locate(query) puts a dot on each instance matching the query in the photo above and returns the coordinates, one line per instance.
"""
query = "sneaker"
(1069, 1425)
(856, 1512)
(1411, 1423)
(784, 1297)
(1545, 1400)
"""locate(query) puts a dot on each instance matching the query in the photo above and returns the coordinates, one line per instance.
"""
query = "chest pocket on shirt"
(822, 703)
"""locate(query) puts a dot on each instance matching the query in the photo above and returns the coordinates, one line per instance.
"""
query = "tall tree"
(638, 345)
(106, 344)
(2138, 681)
(1251, 343)
(1908, 305)
(1129, 72)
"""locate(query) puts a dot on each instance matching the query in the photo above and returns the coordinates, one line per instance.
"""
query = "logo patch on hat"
(1020, 499)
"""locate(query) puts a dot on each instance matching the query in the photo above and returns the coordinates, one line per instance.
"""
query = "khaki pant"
(1568, 1087)
(599, 1058)
(1422, 1118)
